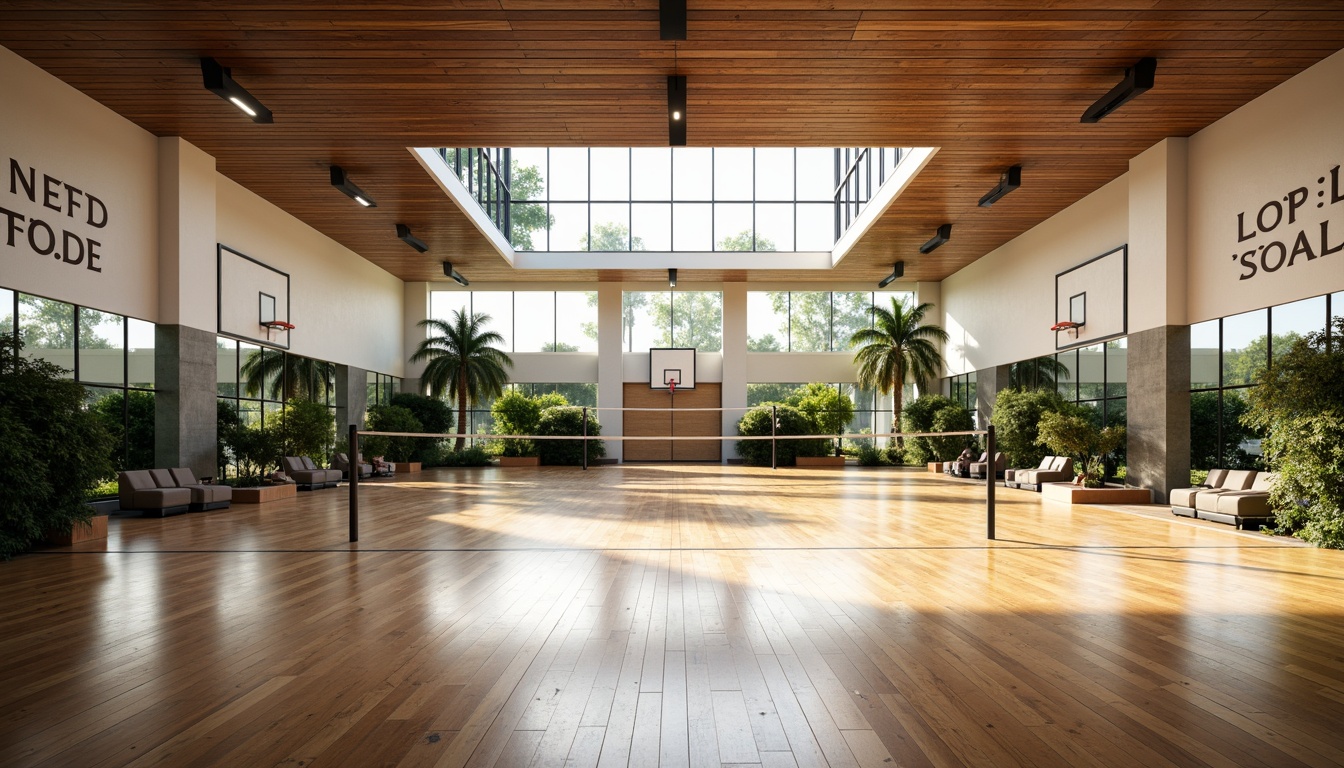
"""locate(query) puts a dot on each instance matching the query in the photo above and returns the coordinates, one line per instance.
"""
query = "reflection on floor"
(673, 615)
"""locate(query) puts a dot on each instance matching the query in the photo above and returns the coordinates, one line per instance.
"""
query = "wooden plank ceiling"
(990, 83)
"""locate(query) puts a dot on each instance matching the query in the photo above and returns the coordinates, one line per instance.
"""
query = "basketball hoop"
(277, 325)
(672, 386)
(1067, 325)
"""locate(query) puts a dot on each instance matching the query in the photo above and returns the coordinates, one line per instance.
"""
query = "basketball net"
(672, 386)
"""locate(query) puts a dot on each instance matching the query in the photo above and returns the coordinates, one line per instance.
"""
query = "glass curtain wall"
(868, 416)
(809, 321)
(683, 198)
(1225, 356)
(672, 319)
(529, 321)
(111, 355)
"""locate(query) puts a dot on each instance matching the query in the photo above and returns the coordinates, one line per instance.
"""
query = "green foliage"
(52, 451)
(1017, 420)
(516, 414)
(1073, 433)
(872, 456)
(434, 416)
(391, 418)
(1040, 373)
(1198, 477)
(463, 361)
(756, 422)
(305, 428)
(133, 438)
(256, 452)
(827, 409)
(696, 322)
(1205, 451)
(525, 184)
(474, 456)
(567, 420)
(284, 376)
(610, 236)
(226, 422)
(742, 242)
(922, 415)
(50, 324)
(897, 455)
(762, 394)
(898, 348)
(1299, 405)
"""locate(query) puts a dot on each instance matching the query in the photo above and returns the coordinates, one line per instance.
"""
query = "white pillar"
(734, 361)
(610, 372)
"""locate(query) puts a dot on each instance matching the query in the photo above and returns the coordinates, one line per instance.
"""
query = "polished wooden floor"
(672, 615)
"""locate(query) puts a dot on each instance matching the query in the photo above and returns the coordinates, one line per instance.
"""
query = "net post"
(585, 437)
(774, 422)
(353, 463)
(990, 471)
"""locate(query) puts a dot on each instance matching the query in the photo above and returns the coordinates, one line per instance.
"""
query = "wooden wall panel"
(651, 423)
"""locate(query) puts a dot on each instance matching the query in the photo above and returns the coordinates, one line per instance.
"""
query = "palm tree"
(896, 349)
(1038, 373)
(291, 376)
(463, 362)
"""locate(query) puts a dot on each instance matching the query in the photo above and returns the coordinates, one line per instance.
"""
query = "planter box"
(1077, 494)
(935, 466)
(519, 461)
(96, 529)
(264, 493)
(105, 506)
(821, 461)
(402, 467)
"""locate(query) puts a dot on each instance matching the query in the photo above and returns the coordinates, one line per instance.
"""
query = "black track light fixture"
(676, 110)
(1138, 79)
(1010, 180)
(219, 81)
(672, 277)
(897, 272)
(456, 276)
(943, 235)
(342, 182)
(405, 236)
(671, 19)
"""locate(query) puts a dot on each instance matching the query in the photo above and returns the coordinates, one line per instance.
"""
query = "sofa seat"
(1240, 508)
(137, 491)
(203, 497)
(1183, 499)
(307, 475)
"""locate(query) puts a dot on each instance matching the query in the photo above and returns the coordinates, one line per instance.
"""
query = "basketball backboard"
(672, 367)
(1095, 296)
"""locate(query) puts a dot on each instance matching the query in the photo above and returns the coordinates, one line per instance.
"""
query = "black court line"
(1022, 545)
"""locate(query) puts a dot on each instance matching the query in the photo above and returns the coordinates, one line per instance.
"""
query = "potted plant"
(1075, 435)
(52, 453)
(256, 454)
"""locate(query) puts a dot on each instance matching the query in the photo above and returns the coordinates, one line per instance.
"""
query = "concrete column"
(988, 383)
(414, 308)
(734, 362)
(1158, 373)
(185, 426)
(610, 372)
(352, 398)
(932, 293)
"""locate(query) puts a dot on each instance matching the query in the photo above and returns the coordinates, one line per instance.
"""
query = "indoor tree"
(463, 361)
(290, 376)
(898, 348)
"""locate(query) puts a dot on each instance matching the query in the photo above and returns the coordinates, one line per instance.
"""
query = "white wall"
(346, 309)
(60, 133)
(1284, 144)
(999, 309)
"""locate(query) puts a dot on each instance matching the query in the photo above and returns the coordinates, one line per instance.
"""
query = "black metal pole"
(990, 470)
(585, 437)
(353, 463)
(774, 422)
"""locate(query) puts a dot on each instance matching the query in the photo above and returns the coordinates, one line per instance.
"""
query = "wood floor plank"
(682, 615)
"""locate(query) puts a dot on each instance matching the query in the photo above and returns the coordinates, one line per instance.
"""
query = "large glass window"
(47, 329)
(809, 321)
(529, 321)
(681, 199)
(672, 319)
(1225, 357)
(102, 347)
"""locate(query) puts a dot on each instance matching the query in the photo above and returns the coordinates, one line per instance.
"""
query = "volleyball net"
(589, 434)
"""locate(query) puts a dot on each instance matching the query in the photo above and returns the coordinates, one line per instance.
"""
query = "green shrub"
(1075, 434)
(824, 406)
(305, 428)
(756, 422)
(516, 414)
(226, 421)
(133, 438)
(872, 456)
(917, 416)
(391, 418)
(951, 418)
(1017, 419)
(256, 452)
(52, 451)
(568, 421)
(475, 456)
(896, 455)
(435, 416)
(1299, 405)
